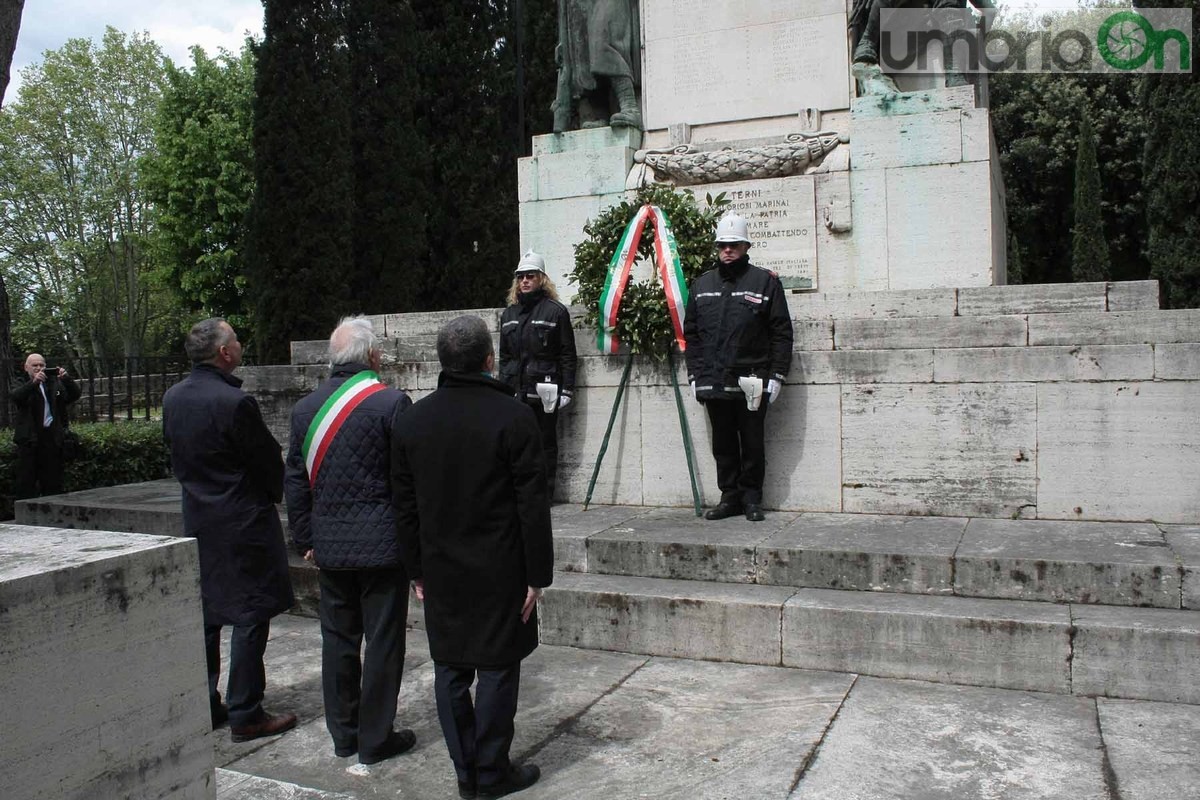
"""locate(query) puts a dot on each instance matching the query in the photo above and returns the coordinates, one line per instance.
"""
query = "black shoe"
(754, 512)
(518, 778)
(345, 750)
(398, 742)
(723, 510)
(220, 715)
(466, 791)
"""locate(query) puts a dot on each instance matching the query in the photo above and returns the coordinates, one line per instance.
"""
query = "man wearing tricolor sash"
(340, 517)
(739, 347)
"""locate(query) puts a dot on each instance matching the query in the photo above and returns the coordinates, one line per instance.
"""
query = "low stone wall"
(1072, 401)
(102, 666)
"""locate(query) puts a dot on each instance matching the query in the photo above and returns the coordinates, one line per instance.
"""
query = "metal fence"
(113, 388)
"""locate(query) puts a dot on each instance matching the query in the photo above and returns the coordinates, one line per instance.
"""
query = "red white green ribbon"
(333, 415)
(669, 269)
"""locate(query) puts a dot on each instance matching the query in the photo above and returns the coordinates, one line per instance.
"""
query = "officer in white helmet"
(537, 352)
(739, 349)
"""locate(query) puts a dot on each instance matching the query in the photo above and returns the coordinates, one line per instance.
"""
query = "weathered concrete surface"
(1143, 653)
(1177, 362)
(1000, 643)
(1078, 562)
(863, 552)
(1184, 541)
(1133, 296)
(101, 666)
(918, 332)
(1154, 748)
(152, 507)
(680, 619)
(573, 526)
(905, 739)
(1115, 327)
(979, 301)
(887, 304)
(862, 366)
(1015, 364)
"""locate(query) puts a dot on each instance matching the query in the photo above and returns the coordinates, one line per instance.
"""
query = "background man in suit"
(39, 425)
(474, 523)
(231, 471)
(340, 516)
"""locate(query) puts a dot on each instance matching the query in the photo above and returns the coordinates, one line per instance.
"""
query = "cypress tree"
(300, 247)
(1089, 250)
(1016, 267)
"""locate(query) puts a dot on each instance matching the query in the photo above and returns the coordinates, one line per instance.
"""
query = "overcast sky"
(175, 24)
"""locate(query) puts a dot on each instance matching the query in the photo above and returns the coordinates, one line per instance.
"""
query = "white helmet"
(732, 228)
(531, 262)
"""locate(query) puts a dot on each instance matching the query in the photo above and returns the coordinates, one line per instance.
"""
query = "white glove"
(564, 401)
(774, 387)
(694, 397)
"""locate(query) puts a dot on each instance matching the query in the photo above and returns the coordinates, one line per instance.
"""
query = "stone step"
(232, 785)
(1120, 564)
(1137, 653)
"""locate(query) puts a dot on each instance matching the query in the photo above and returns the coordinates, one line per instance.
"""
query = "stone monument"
(756, 100)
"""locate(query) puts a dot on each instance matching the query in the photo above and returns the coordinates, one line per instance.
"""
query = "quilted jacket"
(346, 519)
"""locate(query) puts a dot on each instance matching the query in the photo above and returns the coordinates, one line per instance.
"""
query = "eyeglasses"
(527, 276)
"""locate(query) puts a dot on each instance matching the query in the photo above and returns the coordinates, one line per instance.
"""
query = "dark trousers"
(39, 467)
(548, 425)
(739, 448)
(478, 734)
(247, 675)
(360, 695)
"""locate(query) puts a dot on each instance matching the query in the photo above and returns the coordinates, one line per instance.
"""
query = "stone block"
(101, 649)
(580, 435)
(812, 334)
(527, 180)
(1039, 298)
(573, 527)
(930, 101)
(151, 507)
(1006, 644)
(679, 619)
(1133, 296)
(1116, 327)
(316, 352)
(837, 249)
(863, 552)
(945, 450)
(863, 366)
(1020, 364)
(804, 461)
(874, 305)
(1177, 362)
(976, 135)
(868, 270)
(427, 323)
(926, 332)
(1118, 451)
(554, 227)
(907, 141)
(1075, 562)
(1184, 541)
(586, 139)
(1151, 747)
(932, 205)
(581, 173)
(664, 471)
(1136, 653)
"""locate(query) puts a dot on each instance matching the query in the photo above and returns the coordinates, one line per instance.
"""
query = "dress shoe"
(466, 790)
(754, 512)
(345, 750)
(723, 510)
(268, 725)
(518, 778)
(220, 715)
(398, 742)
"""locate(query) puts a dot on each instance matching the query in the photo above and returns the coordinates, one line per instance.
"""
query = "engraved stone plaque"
(781, 214)
(716, 61)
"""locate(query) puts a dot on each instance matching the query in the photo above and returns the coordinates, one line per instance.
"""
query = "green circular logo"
(1126, 40)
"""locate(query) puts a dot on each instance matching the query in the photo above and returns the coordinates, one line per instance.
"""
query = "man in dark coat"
(739, 348)
(39, 426)
(231, 471)
(474, 524)
(340, 517)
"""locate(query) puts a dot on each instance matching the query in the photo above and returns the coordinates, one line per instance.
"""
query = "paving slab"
(674, 543)
(1127, 564)
(866, 552)
(679, 730)
(1184, 541)
(1143, 653)
(1154, 748)
(240, 786)
(150, 507)
(906, 739)
(1007, 644)
(573, 526)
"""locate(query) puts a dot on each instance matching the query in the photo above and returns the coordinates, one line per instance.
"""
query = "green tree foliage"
(201, 182)
(1171, 107)
(1089, 250)
(74, 221)
(301, 244)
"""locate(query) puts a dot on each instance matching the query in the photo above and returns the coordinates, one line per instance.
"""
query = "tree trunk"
(10, 23)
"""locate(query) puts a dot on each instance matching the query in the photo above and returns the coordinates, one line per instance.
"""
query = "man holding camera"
(39, 425)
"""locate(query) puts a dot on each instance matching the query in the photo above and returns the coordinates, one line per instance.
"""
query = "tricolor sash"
(333, 414)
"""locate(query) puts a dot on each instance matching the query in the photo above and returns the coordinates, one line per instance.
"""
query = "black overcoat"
(473, 518)
(31, 409)
(231, 471)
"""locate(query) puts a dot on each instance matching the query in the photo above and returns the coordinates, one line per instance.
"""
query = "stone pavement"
(611, 726)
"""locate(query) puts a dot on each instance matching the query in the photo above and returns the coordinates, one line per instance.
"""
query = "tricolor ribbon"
(332, 416)
(670, 270)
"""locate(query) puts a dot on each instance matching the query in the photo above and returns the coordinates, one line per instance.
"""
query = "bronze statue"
(599, 60)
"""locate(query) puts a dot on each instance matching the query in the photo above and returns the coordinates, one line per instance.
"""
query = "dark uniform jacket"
(537, 345)
(231, 471)
(736, 324)
(347, 517)
(31, 409)
(473, 518)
